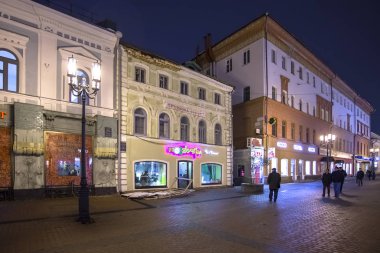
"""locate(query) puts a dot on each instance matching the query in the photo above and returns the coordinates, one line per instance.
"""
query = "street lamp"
(80, 88)
(327, 140)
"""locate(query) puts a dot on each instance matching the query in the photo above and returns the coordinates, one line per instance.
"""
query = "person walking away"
(336, 177)
(344, 175)
(326, 181)
(373, 174)
(368, 172)
(274, 181)
(359, 177)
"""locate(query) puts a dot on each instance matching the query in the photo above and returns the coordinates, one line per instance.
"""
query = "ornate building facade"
(176, 125)
(40, 125)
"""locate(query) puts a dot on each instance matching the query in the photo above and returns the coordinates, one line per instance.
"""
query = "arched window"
(140, 121)
(202, 132)
(9, 66)
(218, 134)
(185, 129)
(74, 97)
(164, 125)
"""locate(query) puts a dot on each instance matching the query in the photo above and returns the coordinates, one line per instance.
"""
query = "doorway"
(185, 174)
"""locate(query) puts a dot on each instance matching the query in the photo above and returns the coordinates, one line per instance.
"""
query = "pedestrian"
(326, 181)
(344, 175)
(368, 173)
(274, 181)
(359, 177)
(373, 174)
(337, 180)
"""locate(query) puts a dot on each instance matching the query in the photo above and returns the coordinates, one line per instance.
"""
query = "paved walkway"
(213, 220)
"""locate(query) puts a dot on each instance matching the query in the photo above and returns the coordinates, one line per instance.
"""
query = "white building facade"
(176, 126)
(286, 98)
(40, 116)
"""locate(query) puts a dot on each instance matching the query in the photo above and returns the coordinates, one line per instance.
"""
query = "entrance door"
(185, 174)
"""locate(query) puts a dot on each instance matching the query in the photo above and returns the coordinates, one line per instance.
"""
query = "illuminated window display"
(150, 174)
(211, 173)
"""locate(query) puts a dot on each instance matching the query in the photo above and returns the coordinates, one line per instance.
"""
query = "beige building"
(286, 98)
(176, 126)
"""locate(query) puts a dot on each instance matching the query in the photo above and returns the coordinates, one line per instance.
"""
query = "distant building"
(176, 125)
(375, 151)
(286, 97)
(40, 123)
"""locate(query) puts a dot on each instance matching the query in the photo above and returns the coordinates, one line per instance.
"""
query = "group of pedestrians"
(337, 178)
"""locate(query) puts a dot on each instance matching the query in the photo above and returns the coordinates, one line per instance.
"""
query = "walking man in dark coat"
(274, 181)
(359, 177)
(343, 176)
(326, 181)
(337, 180)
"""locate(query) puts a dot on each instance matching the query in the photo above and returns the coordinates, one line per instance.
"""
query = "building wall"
(42, 39)
(154, 101)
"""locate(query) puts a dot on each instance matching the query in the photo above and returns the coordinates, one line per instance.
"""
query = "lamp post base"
(84, 210)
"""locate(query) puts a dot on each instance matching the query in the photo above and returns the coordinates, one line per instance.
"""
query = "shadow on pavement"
(336, 201)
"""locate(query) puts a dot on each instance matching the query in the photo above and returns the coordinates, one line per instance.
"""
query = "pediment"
(78, 50)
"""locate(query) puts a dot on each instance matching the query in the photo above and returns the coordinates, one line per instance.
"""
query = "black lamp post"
(80, 88)
(327, 140)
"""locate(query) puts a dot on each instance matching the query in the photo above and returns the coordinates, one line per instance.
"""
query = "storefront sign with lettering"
(184, 150)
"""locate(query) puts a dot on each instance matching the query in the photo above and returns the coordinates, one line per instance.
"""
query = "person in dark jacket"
(326, 181)
(368, 172)
(274, 181)
(359, 177)
(344, 175)
(337, 180)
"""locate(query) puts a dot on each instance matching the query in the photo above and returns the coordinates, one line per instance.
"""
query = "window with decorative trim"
(164, 126)
(9, 68)
(139, 75)
(202, 131)
(164, 81)
(140, 121)
(185, 129)
(218, 134)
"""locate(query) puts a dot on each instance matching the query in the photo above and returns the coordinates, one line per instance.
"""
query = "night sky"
(345, 35)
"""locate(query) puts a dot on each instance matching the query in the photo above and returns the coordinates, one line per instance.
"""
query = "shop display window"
(150, 174)
(211, 173)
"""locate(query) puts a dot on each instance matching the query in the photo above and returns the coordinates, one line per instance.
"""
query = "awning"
(324, 159)
(339, 161)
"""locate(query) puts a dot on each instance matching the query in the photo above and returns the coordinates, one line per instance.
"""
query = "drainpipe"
(265, 120)
(117, 78)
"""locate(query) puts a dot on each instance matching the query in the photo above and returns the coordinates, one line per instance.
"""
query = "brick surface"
(213, 220)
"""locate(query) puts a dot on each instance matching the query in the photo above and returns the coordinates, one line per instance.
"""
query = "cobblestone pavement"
(213, 220)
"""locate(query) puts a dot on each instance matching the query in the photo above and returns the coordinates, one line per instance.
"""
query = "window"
(164, 82)
(211, 173)
(300, 73)
(273, 57)
(247, 94)
(164, 125)
(218, 134)
(300, 105)
(202, 93)
(185, 129)
(283, 62)
(216, 98)
(292, 131)
(229, 65)
(140, 121)
(283, 129)
(314, 81)
(292, 67)
(202, 132)
(274, 128)
(184, 88)
(301, 133)
(74, 96)
(292, 101)
(150, 174)
(307, 77)
(274, 93)
(284, 97)
(246, 57)
(307, 135)
(9, 66)
(307, 107)
(139, 75)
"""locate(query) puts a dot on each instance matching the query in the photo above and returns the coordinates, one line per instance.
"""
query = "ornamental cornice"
(14, 39)
(152, 60)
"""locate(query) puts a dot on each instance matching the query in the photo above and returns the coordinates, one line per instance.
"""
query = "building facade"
(40, 124)
(285, 99)
(176, 125)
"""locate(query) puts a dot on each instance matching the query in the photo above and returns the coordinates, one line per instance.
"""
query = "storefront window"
(150, 174)
(211, 173)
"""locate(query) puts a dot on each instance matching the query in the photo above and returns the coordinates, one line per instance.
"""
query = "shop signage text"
(311, 149)
(210, 152)
(297, 147)
(184, 150)
(281, 144)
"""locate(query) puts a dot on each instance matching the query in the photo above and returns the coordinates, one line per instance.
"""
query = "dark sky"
(344, 34)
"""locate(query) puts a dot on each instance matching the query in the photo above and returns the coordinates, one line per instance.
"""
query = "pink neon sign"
(184, 150)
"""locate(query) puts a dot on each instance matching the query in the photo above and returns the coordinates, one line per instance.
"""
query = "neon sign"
(184, 150)
(297, 147)
(210, 152)
(281, 144)
(311, 149)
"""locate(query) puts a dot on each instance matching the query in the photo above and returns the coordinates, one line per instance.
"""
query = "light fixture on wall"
(81, 89)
